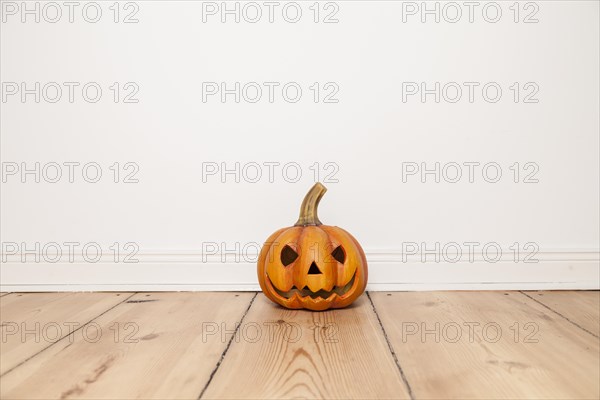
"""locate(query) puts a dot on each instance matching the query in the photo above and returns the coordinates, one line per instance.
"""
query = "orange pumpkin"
(311, 265)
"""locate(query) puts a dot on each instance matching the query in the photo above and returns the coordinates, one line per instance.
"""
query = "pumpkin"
(311, 265)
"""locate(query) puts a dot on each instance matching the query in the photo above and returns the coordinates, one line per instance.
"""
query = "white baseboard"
(388, 270)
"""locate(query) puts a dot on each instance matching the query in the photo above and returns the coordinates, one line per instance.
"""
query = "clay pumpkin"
(311, 265)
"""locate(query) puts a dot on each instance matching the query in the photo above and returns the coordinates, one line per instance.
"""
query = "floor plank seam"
(391, 348)
(559, 314)
(214, 371)
(67, 335)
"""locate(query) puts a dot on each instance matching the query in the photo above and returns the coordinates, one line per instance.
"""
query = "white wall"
(374, 55)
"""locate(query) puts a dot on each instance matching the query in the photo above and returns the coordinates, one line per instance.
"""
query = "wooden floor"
(408, 345)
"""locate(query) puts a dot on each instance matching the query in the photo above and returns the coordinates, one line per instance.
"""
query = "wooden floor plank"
(550, 357)
(580, 307)
(303, 354)
(30, 322)
(150, 346)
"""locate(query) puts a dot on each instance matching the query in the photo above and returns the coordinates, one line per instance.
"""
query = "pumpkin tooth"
(323, 294)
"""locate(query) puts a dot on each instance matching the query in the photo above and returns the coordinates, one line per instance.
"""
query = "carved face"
(312, 266)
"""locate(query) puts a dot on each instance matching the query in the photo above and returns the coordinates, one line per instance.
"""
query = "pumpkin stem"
(308, 209)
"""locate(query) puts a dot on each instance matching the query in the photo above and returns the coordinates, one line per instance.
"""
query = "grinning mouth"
(324, 294)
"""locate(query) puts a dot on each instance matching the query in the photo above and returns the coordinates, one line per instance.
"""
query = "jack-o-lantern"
(311, 265)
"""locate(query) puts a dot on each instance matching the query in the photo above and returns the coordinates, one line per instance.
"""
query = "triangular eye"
(288, 255)
(339, 254)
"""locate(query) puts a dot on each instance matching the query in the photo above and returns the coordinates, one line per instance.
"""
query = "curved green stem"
(308, 209)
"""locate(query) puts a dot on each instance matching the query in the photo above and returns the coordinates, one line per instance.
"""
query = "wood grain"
(580, 307)
(151, 346)
(302, 354)
(550, 357)
(33, 321)
(169, 345)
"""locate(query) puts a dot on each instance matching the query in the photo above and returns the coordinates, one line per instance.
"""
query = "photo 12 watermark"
(471, 252)
(69, 252)
(289, 92)
(51, 332)
(470, 172)
(454, 12)
(469, 332)
(253, 12)
(70, 92)
(69, 12)
(489, 92)
(69, 172)
(269, 172)
(270, 332)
